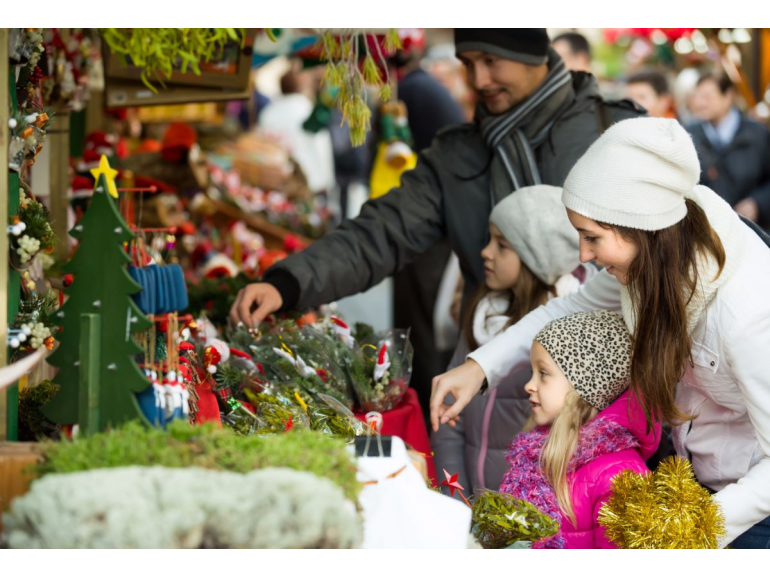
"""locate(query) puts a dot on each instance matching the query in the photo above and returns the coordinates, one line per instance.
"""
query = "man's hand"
(748, 208)
(264, 296)
(463, 383)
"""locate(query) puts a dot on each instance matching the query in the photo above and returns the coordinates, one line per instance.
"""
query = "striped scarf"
(514, 135)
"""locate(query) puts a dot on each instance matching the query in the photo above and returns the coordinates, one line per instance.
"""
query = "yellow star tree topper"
(109, 175)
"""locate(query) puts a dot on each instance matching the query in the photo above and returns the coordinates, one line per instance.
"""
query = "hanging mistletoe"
(355, 59)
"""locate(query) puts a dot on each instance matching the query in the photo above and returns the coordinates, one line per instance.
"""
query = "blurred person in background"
(650, 89)
(575, 50)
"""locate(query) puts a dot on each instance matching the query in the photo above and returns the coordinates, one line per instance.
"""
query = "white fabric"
(402, 513)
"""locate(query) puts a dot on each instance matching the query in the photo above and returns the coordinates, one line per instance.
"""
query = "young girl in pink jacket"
(588, 428)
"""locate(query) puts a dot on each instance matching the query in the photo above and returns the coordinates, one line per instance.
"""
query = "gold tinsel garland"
(667, 509)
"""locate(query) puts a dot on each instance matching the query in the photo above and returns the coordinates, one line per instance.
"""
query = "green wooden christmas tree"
(103, 287)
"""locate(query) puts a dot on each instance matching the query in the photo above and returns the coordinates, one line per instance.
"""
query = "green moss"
(207, 447)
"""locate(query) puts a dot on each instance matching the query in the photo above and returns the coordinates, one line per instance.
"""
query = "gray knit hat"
(534, 220)
(594, 351)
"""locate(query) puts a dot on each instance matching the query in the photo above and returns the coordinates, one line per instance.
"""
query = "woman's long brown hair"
(662, 280)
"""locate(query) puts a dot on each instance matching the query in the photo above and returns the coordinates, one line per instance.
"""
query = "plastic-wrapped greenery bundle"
(239, 418)
(362, 369)
(313, 375)
(293, 355)
(330, 416)
(287, 393)
(276, 413)
(377, 366)
(280, 410)
(381, 372)
(501, 521)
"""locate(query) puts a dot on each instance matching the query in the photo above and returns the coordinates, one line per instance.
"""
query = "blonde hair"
(560, 446)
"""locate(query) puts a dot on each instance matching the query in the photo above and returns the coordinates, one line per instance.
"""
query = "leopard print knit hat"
(593, 350)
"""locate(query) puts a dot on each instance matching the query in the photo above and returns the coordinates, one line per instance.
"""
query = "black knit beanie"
(526, 45)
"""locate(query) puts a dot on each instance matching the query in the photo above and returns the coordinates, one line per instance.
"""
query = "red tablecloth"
(406, 421)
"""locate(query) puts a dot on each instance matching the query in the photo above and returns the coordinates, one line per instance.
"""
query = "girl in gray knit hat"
(529, 259)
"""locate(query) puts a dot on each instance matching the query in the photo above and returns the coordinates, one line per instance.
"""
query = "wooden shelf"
(15, 478)
(273, 234)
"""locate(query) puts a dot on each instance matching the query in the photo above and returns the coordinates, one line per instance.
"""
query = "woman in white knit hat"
(691, 281)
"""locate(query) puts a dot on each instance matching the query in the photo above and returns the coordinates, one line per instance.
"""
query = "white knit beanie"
(534, 221)
(637, 175)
